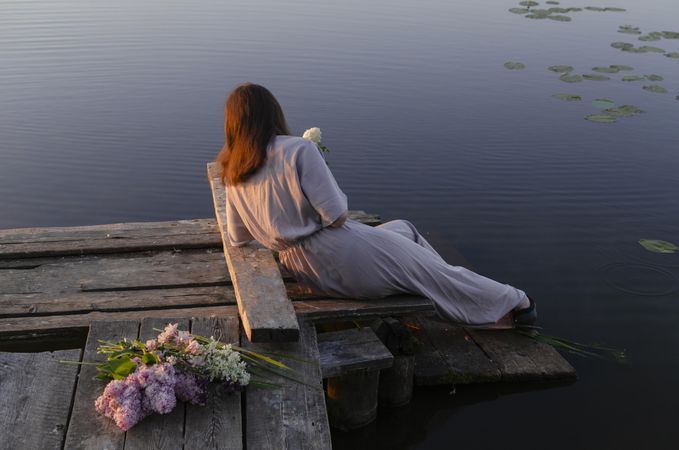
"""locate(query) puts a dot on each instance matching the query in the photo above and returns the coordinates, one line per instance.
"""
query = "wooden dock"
(62, 289)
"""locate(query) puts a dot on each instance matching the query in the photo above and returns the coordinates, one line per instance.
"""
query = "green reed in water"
(586, 350)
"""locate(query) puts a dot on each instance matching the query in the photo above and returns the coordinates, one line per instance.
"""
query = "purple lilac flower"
(191, 388)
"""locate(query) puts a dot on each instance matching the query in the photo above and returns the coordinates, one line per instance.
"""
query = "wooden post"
(352, 399)
(396, 383)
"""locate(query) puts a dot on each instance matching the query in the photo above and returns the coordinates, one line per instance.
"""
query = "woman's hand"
(340, 220)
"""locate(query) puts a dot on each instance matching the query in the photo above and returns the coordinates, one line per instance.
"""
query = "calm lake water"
(110, 110)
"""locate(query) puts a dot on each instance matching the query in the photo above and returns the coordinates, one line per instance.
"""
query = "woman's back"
(291, 196)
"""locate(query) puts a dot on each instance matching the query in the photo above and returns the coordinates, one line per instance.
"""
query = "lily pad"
(601, 118)
(558, 10)
(646, 49)
(613, 9)
(594, 8)
(528, 3)
(673, 55)
(560, 69)
(571, 9)
(594, 77)
(623, 111)
(628, 29)
(658, 246)
(633, 78)
(570, 78)
(654, 77)
(670, 34)
(568, 97)
(622, 45)
(538, 14)
(621, 67)
(511, 65)
(603, 103)
(609, 69)
(649, 37)
(655, 88)
(560, 18)
(519, 10)
(551, 2)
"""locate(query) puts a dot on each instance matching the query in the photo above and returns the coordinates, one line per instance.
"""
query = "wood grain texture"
(218, 424)
(109, 238)
(345, 351)
(521, 358)
(36, 392)
(265, 310)
(294, 415)
(88, 430)
(448, 354)
(158, 431)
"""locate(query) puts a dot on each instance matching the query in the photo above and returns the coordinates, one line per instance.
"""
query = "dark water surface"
(109, 111)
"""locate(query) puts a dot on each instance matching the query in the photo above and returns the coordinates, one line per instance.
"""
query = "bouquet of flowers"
(149, 377)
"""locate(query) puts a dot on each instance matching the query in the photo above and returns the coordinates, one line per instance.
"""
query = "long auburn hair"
(253, 117)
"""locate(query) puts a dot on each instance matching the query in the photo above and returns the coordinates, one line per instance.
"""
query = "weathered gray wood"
(112, 301)
(327, 309)
(109, 238)
(521, 358)
(396, 382)
(352, 399)
(349, 350)
(34, 327)
(142, 270)
(265, 309)
(158, 431)
(218, 424)
(36, 392)
(294, 415)
(448, 355)
(88, 430)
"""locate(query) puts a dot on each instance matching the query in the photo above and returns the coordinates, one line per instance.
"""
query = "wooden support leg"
(352, 399)
(396, 382)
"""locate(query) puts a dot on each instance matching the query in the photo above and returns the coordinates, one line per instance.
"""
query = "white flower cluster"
(222, 363)
(313, 134)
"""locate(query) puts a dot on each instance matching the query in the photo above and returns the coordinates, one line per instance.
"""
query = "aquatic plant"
(633, 78)
(624, 111)
(622, 45)
(601, 118)
(628, 29)
(568, 97)
(599, 9)
(560, 18)
(672, 55)
(603, 103)
(658, 246)
(609, 69)
(571, 78)
(560, 69)
(652, 36)
(512, 65)
(519, 10)
(596, 351)
(670, 34)
(655, 88)
(654, 77)
(594, 77)
(621, 67)
(528, 3)
(551, 2)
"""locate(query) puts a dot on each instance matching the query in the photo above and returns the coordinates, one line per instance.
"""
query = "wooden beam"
(265, 310)
(88, 430)
(346, 351)
(292, 416)
(36, 392)
(218, 424)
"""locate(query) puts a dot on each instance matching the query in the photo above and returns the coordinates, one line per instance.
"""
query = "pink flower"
(169, 335)
(151, 345)
(193, 347)
(183, 338)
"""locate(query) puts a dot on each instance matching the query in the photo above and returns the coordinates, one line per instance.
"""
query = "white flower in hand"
(313, 134)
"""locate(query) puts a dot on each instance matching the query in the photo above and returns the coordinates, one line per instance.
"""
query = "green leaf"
(570, 78)
(621, 67)
(559, 18)
(633, 78)
(654, 77)
(609, 69)
(149, 359)
(622, 45)
(601, 118)
(511, 65)
(519, 10)
(655, 88)
(658, 246)
(568, 97)
(624, 111)
(560, 68)
(603, 103)
(673, 55)
(593, 77)
(628, 29)
(529, 3)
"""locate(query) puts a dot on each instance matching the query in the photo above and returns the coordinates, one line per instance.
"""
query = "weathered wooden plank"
(293, 416)
(448, 354)
(112, 301)
(349, 350)
(158, 431)
(36, 392)
(265, 310)
(109, 238)
(318, 310)
(141, 270)
(218, 424)
(88, 430)
(520, 358)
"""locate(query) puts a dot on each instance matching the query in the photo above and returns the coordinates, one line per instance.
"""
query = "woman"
(281, 193)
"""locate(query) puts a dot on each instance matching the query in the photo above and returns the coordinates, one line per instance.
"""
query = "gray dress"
(288, 205)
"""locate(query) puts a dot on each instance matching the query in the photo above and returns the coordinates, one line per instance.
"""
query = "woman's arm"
(319, 186)
(340, 220)
(237, 232)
